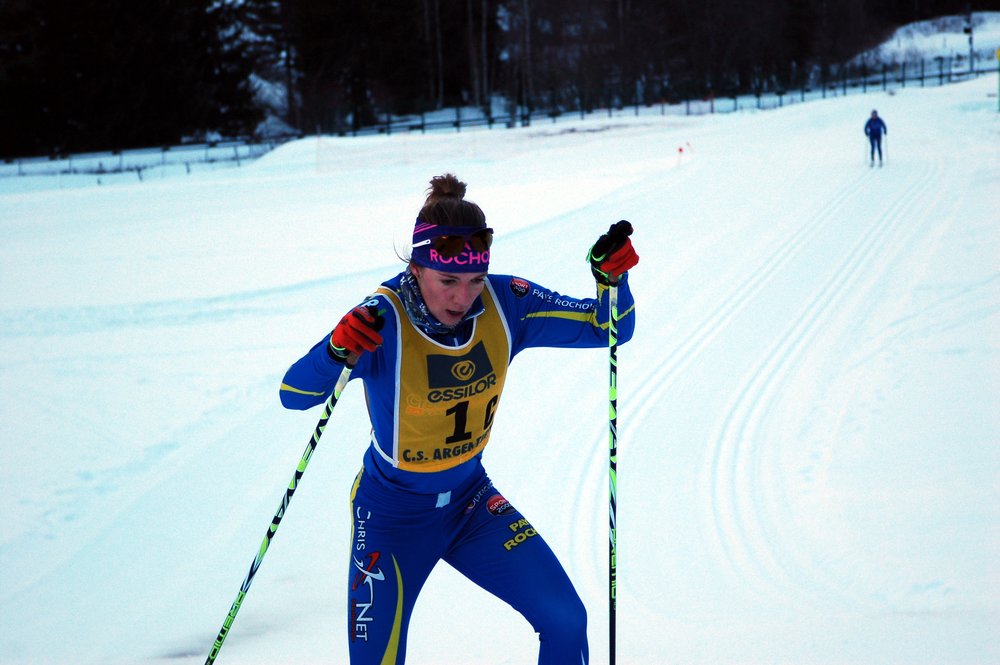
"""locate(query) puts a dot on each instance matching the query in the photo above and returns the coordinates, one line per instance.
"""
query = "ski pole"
(345, 374)
(613, 463)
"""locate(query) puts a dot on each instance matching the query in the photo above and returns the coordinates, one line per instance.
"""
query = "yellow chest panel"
(446, 396)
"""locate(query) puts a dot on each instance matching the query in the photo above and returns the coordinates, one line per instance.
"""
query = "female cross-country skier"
(432, 346)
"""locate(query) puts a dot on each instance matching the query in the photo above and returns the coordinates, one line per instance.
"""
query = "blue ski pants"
(398, 538)
(876, 144)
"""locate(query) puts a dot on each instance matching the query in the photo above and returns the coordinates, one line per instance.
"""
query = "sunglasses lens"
(480, 241)
(449, 246)
(452, 246)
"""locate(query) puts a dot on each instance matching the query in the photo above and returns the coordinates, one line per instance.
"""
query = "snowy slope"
(942, 37)
(809, 462)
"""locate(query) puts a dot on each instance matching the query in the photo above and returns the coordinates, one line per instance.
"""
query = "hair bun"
(446, 205)
(445, 186)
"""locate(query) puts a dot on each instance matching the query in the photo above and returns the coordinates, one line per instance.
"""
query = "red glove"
(357, 332)
(613, 253)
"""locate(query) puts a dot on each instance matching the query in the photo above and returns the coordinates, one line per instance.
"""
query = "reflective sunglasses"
(453, 244)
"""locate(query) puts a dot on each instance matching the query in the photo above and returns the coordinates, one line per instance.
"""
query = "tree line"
(80, 75)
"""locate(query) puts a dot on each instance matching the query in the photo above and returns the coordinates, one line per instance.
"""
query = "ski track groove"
(748, 540)
(659, 379)
(593, 471)
(593, 509)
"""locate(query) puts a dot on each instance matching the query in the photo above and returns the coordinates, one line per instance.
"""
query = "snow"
(942, 37)
(809, 469)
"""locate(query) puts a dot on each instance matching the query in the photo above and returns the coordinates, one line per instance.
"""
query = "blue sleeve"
(540, 317)
(311, 379)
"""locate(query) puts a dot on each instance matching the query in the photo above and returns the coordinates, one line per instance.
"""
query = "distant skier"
(874, 129)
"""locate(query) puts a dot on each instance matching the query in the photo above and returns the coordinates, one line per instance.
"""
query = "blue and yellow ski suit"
(422, 494)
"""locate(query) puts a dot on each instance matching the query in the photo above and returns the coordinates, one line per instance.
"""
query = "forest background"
(79, 75)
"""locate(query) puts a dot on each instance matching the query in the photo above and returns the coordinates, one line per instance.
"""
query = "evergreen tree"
(102, 74)
(99, 74)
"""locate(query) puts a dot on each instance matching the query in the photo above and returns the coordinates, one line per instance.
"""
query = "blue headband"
(424, 254)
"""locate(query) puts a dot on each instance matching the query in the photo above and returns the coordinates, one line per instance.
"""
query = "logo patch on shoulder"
(519, 287)
(498, 505)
